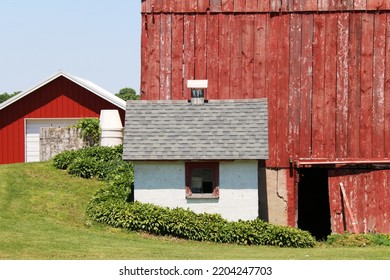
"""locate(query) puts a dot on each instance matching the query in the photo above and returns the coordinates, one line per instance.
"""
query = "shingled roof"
(177, 130)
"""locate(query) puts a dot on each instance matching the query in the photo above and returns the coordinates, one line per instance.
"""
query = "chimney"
(197, 91)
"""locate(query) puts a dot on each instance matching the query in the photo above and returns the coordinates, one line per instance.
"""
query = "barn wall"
(228, 6)
(367, 195)
(325, 74)
(60, 98)
(323, 65)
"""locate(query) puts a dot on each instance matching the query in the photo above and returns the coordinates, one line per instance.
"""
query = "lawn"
(42, 216)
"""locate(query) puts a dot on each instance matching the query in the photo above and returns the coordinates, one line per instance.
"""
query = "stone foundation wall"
(54, 140)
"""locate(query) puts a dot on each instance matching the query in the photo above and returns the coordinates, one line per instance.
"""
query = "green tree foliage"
(5, 96)
(128, 94)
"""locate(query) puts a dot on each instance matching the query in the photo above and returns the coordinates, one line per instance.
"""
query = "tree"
(5, 96)
(128, 94)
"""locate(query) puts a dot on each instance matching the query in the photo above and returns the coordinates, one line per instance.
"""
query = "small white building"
(209, 158)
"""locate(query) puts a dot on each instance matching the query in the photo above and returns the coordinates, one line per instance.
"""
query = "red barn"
(60, 100)
(324, 67)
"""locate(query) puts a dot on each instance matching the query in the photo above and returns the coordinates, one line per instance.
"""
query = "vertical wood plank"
(333, 5)
(251, 6)
(275, 5)
(286, 5)
(144, 57)
(371, 192)
(259, 77)
(378, 85)
(247, 63)
(318, 86)
(282, 155)
(263, 5)
(215, 6)
(190, 6)
(236, 57)
(157, 6)
(224, 57)
(386, 204)
(359, 5)
(154, 57)
(167, 6)
(306, 86)
(213, 56)
(310, 5)
(227, 5)
(353, 124)
(330, 85)
(177, 56)
(295, 84)
(203, 6)
(342, 85)
(378, 5)
(387, 88)
(272, 85)
(336, 207)
(239, 5)
(189, 52)
(200, 46)
(145, 6)
(166, 57)
(380, 197)
(178, 6)
(323, 5)
(343, 5)
(366, 86)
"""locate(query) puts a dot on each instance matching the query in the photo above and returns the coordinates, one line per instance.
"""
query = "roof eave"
(105, 95)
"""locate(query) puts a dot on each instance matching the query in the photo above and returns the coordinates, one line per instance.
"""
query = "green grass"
(42, 216)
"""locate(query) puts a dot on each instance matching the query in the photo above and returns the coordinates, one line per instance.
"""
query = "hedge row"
(108, 206)
(103, 163)
(111, 206)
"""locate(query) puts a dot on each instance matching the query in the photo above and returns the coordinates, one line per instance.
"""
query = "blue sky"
(97, 40)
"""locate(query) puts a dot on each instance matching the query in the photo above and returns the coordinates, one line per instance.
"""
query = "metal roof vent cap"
(197, 91)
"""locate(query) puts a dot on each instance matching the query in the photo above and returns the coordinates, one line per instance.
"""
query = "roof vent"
(197, 90)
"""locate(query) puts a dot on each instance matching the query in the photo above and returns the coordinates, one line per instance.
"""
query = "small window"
(202, 180)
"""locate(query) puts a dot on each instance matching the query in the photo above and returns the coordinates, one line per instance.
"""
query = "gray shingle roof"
(177, 130)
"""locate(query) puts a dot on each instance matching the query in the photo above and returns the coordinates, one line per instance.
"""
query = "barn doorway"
(313, 202)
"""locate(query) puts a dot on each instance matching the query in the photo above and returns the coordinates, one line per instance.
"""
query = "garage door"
(32, 134)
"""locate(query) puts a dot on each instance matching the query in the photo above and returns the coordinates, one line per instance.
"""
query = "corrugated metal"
(59, 98)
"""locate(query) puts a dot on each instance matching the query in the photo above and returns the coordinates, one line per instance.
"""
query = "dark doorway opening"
(313, 202)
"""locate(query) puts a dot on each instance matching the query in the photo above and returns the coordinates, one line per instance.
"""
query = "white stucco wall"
(163, 183)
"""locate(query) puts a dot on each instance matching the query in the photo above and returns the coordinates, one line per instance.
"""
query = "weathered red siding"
(323, 65)
(60, 98)
(367, 194)
(316, 71)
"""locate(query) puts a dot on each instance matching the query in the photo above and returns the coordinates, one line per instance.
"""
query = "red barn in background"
(60, 100)
(324, 67)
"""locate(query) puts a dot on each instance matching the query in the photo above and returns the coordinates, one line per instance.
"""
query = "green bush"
(90, 130)
(64, 159)
(109, 206)
(103, 163)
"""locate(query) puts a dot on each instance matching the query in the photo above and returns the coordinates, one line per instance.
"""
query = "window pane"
(202, 180)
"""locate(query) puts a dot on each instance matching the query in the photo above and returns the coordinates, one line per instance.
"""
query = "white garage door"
(32, 134)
